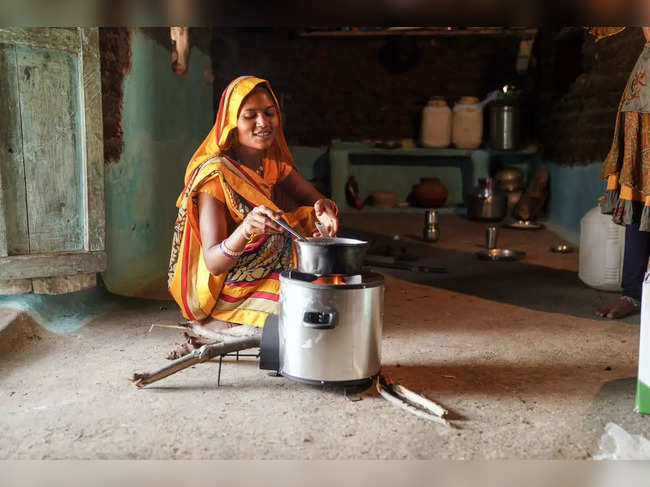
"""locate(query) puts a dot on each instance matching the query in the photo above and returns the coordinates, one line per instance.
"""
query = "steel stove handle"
(320, 320)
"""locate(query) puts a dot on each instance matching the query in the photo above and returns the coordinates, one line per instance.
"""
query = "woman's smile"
(263, 134)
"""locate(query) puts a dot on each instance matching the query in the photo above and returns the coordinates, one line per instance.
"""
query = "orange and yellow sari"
(248, 292)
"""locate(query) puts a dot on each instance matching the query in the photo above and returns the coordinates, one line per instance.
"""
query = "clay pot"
(384, 199)
(430, 193)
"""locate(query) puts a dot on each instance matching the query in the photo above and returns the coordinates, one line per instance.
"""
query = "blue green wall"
(164, 118)
(574, 191)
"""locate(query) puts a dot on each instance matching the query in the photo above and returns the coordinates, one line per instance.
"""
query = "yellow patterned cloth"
(627, 165)
(627, 171)
(601, 32)
(249, 291)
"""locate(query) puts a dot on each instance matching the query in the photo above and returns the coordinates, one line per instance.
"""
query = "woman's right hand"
(259, 221)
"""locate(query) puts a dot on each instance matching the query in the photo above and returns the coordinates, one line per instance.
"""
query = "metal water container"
(485, 202)
(505, 125)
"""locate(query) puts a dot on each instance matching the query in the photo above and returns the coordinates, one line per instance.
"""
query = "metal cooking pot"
(331, 255)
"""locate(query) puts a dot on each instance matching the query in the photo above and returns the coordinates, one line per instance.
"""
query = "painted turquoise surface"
(164, 118)
(573, 192)
(305, 158)
(63, 313)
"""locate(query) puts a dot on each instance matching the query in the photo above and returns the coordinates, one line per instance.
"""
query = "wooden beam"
(52, 149)
(16, 286)
(93, 150)
(64, 284)
(51, 264)
(3, 224)
(64, 39)
(14, 235)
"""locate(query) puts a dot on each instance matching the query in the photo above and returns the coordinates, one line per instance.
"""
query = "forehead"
(257, 99)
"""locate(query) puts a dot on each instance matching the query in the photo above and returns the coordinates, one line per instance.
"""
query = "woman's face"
(258, 120)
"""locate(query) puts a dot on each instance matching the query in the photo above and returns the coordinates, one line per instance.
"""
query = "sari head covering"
(223, 135)
(248, 292)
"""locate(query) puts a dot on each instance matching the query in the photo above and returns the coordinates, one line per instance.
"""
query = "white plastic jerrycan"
(602, 245)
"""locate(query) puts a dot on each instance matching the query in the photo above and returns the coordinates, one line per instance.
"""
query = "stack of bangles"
(228, 252)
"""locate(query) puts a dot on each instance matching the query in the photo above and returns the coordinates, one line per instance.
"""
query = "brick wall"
(580, 84)
(339, 88)
(115, 60)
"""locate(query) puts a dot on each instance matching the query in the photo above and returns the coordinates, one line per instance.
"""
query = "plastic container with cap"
(467, 127)
(602, 245)
(436, 123)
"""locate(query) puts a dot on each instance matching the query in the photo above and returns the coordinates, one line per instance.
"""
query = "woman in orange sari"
(227, 251)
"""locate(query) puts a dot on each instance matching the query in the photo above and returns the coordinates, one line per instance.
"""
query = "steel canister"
(431, 231)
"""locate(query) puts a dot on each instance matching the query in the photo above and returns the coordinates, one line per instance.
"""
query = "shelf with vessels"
(380, 172)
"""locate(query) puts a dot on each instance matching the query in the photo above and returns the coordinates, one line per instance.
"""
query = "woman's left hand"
(326, 211)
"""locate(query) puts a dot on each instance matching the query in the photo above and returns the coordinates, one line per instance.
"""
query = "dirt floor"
(511, 349)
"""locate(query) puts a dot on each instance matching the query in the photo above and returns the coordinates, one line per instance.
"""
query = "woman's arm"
(646, 33)
(214, 230)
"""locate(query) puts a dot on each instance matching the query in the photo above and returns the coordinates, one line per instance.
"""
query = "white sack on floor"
(618, 444)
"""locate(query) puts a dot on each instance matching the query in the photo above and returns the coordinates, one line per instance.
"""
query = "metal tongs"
(290, 229)
(413, 403)
(319, 226)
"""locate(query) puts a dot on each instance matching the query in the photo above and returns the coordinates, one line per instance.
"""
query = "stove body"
(328, 333)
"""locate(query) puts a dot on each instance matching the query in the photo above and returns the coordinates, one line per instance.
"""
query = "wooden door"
(52, 217)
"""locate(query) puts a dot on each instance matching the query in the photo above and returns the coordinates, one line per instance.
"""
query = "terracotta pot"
(384, 199)
(430, 193)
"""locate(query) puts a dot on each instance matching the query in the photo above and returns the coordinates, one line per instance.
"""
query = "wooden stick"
(411, 409)
(161, 325)
(203, 354)
(426, 403)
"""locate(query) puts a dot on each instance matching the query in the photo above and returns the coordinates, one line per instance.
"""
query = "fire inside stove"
(338, 279)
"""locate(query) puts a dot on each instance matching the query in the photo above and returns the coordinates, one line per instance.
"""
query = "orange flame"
(335, 279)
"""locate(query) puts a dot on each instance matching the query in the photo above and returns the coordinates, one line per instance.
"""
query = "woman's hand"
(259, 221)
(326, 212)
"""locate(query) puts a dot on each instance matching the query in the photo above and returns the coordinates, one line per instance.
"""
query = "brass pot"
(510, 179)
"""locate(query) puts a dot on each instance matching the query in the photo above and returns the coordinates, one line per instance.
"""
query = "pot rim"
(328, 241)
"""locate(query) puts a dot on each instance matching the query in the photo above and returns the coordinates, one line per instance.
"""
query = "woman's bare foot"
(217, 325)
(622, 308)
(229, 329)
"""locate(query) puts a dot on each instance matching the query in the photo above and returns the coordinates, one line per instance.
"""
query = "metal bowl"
(500, 255)
(562, 249)
(510, 175)
(524, 225)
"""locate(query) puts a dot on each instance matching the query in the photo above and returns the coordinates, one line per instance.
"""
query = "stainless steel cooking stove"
(329, 329)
